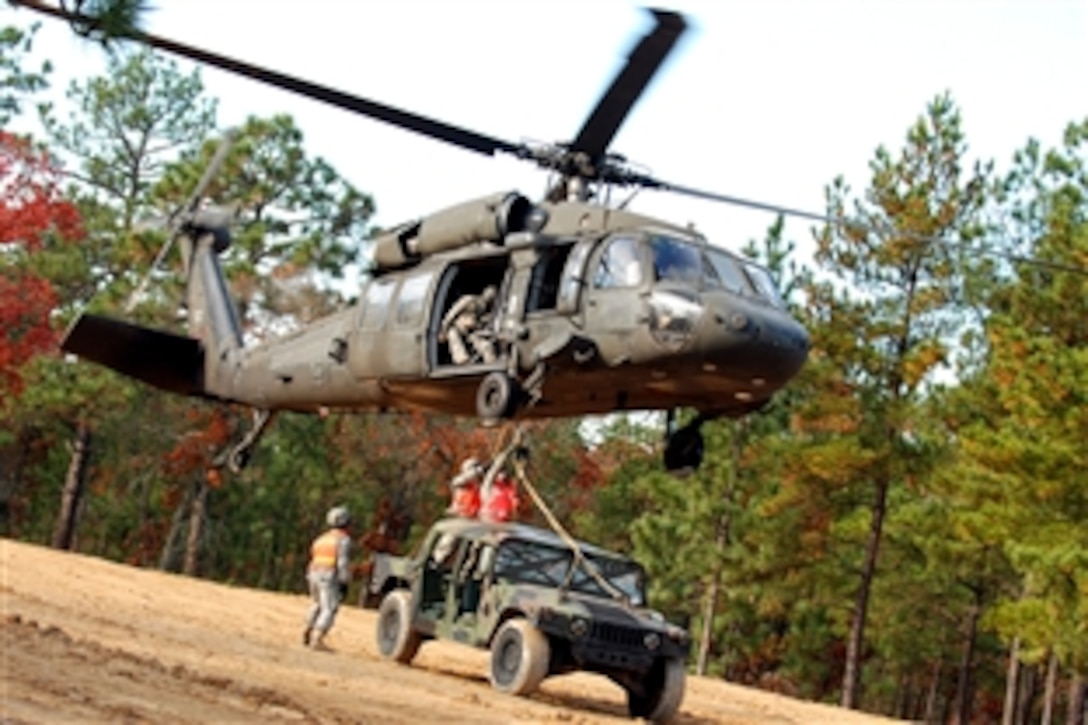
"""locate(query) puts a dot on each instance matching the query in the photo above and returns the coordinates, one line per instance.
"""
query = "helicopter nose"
(762, 346)
(784, 344)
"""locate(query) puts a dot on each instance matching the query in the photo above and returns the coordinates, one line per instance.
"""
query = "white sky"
(766, 100)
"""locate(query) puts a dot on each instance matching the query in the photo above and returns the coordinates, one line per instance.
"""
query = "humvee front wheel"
(520, 654)
(397, 639)
(663, 689)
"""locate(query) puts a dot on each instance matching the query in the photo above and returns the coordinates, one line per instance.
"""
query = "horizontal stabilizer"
(163, 359)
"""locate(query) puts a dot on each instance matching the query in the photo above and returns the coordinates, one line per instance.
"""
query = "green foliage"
(1025, 443)
(122, 131)
(110, 19)
(16, 82)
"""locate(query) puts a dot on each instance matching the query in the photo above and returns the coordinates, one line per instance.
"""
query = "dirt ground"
(90, 640)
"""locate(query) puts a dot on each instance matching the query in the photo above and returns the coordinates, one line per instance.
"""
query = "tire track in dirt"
(176, 686)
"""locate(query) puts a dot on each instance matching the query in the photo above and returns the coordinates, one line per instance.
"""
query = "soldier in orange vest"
(465, 490)
(328, 575)
(500, 500)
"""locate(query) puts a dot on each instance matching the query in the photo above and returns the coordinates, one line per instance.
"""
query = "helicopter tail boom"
(194, 364)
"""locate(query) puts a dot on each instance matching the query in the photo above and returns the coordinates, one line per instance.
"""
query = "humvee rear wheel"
(663, 689)
(520, 654)
(397, 640)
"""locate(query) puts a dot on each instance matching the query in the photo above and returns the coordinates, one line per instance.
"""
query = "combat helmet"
(338, 517)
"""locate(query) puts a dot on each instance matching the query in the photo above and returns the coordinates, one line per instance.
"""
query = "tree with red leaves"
(31, 209)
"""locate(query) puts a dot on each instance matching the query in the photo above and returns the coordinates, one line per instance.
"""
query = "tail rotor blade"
(183, 215)
(210, 171)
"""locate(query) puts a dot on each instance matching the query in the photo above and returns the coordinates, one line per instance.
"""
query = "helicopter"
(574, 306)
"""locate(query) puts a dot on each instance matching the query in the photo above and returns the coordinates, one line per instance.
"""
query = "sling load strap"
(579, 558)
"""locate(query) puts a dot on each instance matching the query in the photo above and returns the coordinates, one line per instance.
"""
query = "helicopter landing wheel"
(684, 451)
(496, 397)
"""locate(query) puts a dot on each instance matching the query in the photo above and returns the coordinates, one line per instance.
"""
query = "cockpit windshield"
(705, 267)
(679, 262)
(765, 287)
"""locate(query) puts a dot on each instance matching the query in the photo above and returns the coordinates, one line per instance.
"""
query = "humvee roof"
(477, 530)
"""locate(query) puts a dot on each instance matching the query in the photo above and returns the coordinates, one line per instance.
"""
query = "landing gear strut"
(683, 446)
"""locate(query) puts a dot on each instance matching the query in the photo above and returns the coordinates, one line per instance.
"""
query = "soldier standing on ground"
(328, 576)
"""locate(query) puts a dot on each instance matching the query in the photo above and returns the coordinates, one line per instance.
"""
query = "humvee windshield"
(531, 562)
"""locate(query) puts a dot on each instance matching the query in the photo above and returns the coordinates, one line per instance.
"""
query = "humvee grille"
(616, 634)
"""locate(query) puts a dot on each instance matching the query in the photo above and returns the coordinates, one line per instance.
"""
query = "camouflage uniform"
(328, 576)
(465, 325)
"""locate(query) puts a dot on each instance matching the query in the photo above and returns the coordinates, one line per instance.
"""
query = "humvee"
(540, 607)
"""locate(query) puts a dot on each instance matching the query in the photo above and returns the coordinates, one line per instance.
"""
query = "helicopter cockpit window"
(410, 301)
(730, 273)
(378, 294)
(620, 265)
(681, 262)
(764, 284)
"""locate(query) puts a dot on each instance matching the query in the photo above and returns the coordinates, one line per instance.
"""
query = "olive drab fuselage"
(709, 332)
(596, 310)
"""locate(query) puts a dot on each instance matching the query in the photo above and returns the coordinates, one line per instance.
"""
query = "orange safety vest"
(466, 500)
(324, 550)
(502, 504)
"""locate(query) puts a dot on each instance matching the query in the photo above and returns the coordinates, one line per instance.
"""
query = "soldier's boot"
(318, 643)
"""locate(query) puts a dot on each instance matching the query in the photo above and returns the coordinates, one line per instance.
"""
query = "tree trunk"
(1029, 681)
(168, 558)
(851, 679)
(721, 541)
(74, 482)
(1051, 689)
(963, 685)
(710, 600)
(197, 516)
(903, 696)
(1075, 716)
(1012, 682)
(933, 693)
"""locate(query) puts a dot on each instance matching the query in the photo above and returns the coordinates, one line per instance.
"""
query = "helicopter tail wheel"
(496, 397)
(684, 451)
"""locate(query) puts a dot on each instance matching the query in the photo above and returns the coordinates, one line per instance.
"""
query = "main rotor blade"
(603, 123)
(839, 221)
(455, 135)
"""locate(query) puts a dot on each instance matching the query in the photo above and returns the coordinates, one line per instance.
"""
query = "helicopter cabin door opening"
(462, 335)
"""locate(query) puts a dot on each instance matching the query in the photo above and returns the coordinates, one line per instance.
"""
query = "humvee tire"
(397, 640)
(520, 655)
(664, 689)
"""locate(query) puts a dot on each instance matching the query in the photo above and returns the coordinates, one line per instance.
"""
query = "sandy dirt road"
(90, 641)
